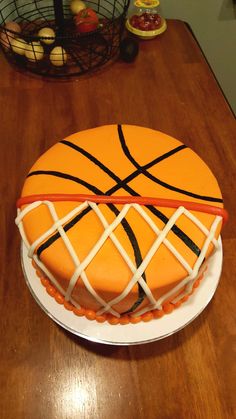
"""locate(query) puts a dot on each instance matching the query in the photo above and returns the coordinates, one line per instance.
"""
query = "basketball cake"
(120, 222)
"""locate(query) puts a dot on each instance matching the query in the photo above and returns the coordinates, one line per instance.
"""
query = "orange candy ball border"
(113, 320)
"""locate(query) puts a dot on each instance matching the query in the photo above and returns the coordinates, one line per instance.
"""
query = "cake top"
(118, 160)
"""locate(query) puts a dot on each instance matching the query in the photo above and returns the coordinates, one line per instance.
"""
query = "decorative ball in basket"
(60, 38)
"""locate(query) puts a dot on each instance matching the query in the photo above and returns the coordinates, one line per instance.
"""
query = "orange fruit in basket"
(86, 21)
(13, 26)
(6, 37)
(6, 40)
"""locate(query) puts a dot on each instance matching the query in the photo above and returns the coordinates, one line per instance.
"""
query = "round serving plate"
(130, 334)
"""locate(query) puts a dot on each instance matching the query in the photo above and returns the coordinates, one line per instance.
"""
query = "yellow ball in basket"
(58, 56)
(76, 6)
(47, 33)
(18, 45)
(34, 51)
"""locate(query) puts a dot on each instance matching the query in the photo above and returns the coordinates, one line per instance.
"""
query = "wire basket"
(63, 51)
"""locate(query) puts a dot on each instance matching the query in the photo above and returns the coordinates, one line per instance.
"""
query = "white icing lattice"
(137, 272)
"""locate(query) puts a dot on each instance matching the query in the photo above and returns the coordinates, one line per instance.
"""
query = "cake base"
(134, 333)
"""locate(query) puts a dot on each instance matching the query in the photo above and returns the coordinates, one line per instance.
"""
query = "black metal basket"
(76, 53)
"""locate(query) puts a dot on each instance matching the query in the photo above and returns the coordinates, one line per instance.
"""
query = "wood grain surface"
(47, 373)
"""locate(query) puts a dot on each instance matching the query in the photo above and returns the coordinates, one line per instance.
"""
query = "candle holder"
(41, 36)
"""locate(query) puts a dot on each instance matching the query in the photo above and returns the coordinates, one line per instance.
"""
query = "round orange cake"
(120, 221)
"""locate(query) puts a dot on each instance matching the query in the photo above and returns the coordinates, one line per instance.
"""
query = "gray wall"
(214, 25)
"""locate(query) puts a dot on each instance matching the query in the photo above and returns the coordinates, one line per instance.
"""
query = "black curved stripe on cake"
(122, 184)
(137, 172)
(124, 222)
(142, 169)
(91, 158)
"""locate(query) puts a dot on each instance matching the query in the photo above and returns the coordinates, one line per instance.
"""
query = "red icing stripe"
(105, 199)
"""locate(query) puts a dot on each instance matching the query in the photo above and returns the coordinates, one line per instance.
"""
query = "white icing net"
(137, 272)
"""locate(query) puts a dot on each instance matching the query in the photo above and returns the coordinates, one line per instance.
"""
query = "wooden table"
(47, 373)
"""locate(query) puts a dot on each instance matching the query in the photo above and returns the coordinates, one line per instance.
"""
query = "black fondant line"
(143, 170)
(164, 156)
(92, 158)
(134, 306)
(67, 177)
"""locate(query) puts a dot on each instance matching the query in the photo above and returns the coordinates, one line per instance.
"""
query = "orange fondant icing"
(121, 170)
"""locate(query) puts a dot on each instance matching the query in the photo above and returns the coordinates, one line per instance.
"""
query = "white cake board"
(130, 334)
